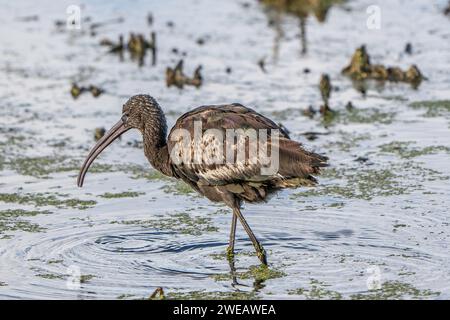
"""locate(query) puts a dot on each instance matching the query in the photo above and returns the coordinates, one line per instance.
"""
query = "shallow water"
(384, 219)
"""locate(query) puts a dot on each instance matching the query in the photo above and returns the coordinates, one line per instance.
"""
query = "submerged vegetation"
(214, 295)
(46, 199)
(126, 194)
(317, 290)
(44, 167)
(179, 222)
(354, 115)
(404, 149)
(11, 220)
(178, 188)
(396, 290)
(436, 108)
(367, 183)
(259, 273)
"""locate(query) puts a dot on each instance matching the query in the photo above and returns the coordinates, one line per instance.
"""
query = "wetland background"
(377, 226)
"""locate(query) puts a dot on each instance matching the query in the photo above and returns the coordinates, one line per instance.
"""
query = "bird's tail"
(298, 165)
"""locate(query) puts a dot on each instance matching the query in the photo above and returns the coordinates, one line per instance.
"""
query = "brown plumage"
(222, 181)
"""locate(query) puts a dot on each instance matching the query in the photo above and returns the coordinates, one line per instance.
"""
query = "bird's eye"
(124, 118)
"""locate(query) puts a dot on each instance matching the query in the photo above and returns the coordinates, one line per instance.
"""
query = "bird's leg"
(230, 249)
(232, 267)
(260, 252)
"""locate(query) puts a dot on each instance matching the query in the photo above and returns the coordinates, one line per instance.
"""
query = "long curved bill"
(117, 130)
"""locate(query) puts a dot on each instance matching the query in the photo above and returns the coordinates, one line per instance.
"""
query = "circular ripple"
(121, 260)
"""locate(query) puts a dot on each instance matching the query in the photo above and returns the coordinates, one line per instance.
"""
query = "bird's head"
(139, 112)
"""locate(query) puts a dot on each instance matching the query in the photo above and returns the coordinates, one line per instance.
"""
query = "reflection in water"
(299, 8)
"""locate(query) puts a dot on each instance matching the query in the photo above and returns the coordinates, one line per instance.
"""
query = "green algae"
(51, 276)
(365, 184)
(125, 296)
(361, 116)
(12, 140)
(371, 115)
(85, 278)
(317, 290)
(11, 220)
(173, 186)
(433, 108)
(180, 222)
(2, 162)
(140, 172)
(258, 273)
(395, 290)
(224, 256)
(178, 188)
(43, 167)
(403, 149)
(214, 295)
(126, 194)
(45, 199)
(347, 141)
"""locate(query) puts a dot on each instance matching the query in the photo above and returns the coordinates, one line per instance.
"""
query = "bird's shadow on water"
(333, 235)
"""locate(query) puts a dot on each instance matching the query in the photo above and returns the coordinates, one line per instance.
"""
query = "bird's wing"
(293, 160)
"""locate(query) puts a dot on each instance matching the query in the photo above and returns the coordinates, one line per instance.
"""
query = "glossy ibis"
(227, 182)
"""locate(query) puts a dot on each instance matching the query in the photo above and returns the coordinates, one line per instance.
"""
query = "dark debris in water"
(99, 133)
(77, 90)
(137, 47)
(447, 9)
(158, 294)
(325, 88)
(176, 77)
(361, 68)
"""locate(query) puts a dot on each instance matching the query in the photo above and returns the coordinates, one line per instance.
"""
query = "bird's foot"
(261, 253)
(230, 253)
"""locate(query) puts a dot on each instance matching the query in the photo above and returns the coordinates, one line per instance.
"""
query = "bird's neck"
(155, 145)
